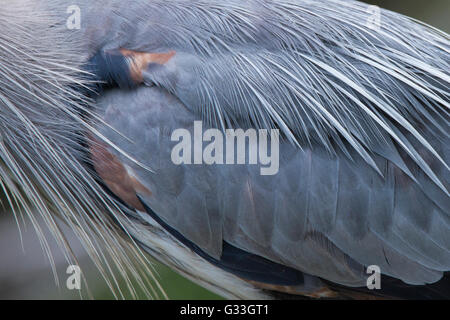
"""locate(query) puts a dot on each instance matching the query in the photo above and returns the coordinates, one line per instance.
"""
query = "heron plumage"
(325, 215)
(364, 111)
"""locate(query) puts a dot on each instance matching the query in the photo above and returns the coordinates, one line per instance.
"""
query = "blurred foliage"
(175, 286)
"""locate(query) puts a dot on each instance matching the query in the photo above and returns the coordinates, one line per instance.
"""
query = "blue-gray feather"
(314, 69)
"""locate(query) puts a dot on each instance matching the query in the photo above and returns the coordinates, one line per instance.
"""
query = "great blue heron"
(91, 93)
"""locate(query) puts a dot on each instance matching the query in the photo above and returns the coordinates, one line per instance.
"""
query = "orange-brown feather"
(115, 175)
(141, 60)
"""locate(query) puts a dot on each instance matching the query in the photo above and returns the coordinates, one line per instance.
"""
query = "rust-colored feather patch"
(115, 175)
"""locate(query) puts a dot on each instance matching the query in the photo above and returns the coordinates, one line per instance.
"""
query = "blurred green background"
(25, 271)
